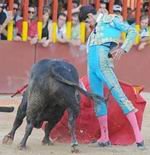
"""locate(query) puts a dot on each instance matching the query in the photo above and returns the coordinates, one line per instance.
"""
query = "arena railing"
(126, 3)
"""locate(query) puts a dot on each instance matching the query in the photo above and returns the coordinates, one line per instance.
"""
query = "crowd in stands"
(16, 15)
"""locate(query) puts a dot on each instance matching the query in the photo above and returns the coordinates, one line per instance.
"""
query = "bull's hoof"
(47, 142)
(8, 139)
(74, 149)
(22, 147)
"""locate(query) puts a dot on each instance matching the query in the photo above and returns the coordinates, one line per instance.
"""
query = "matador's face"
(87, 13)
(90, 19)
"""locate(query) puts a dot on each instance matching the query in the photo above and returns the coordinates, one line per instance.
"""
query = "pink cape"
(120, 131)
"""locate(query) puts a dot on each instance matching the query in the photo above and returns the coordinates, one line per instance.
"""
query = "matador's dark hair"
(85, 10)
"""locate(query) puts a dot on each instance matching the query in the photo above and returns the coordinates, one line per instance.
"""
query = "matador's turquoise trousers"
(100, 72)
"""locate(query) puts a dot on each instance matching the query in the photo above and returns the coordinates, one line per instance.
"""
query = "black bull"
(53, 88)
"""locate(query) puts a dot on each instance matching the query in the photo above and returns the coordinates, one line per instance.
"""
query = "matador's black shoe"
(101, 144)
(140, 145)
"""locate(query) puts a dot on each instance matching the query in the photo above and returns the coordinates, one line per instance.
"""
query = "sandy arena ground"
(34, 146)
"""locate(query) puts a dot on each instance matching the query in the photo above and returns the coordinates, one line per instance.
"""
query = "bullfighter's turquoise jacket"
(107, 31)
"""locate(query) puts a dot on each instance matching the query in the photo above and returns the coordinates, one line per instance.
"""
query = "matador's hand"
(118, 53)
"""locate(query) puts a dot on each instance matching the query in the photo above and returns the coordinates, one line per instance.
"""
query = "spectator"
(146, 7)
(16, 16)
(32, 26)
(3, 23)
(4, 6)
(144, 33)
(62, 7)
(75, 7)
(75, 4)
(130, 16)
(11, 15)
(61, 28)
(46, 30)
(103, 8)
(16, 11)
(75, 36)
(33, 2)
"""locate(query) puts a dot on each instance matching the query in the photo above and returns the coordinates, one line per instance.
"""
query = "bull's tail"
(6, 109)
(93, 96)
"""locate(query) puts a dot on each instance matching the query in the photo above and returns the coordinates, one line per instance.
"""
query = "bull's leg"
(73, 112)
(71, 125)
(54, 118)
(73, 104)
(28, 131)
(21, 113)
(46, 139)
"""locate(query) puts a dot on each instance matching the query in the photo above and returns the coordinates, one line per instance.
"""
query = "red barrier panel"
(16, 60)
(133, 67)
